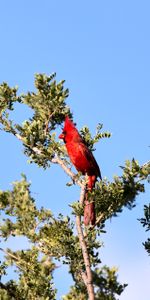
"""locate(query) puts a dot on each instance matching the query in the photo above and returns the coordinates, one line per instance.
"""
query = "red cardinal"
(84, 161)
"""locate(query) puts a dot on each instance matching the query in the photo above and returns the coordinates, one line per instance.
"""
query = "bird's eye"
(64, 132)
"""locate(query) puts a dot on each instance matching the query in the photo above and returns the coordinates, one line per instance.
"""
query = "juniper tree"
(61, 238)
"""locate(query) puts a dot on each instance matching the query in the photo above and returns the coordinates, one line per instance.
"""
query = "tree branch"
(54, 160)
(86, 276)
(12, 256)
(147, 163)
(68, 171)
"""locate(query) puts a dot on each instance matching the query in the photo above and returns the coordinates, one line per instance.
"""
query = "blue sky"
(101, 49)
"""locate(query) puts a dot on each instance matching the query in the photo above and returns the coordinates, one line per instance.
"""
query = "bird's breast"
(78, 157)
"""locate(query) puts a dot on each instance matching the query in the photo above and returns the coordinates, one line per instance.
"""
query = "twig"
(13, 257)
(99, 220)
(35, 149)
(68, 171)
(147, 163)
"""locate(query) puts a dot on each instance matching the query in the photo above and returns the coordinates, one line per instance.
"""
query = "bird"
(84, 162)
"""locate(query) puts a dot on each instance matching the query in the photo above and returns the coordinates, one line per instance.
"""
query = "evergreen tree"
(63, 238)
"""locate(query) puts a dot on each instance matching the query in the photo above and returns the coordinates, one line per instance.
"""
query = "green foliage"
(35, 275)
(111, 197)
(146, 220)
(20, 206)
(106, 285)
(89, 141)
(55, 239)
(21, 217)
(49, 109)
(77, 208)
(49, 238)
(49, 102)
(8, 96)
(144, 174)
(146, 223)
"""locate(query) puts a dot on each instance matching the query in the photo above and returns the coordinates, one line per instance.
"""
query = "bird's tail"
(89, 208)
(89, 212)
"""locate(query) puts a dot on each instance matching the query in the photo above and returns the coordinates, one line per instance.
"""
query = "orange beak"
(61, 136)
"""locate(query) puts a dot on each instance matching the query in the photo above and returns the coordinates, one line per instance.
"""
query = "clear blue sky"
(102, 50)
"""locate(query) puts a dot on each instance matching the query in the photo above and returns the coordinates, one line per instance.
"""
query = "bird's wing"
(93, 166)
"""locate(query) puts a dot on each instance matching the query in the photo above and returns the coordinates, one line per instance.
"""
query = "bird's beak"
(61, 136)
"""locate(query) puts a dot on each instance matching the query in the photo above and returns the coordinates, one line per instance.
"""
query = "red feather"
(83, 160)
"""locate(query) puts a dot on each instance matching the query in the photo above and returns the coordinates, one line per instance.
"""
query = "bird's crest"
(69, 125)
(70, 132)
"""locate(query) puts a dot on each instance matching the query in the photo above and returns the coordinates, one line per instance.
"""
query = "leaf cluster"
(35, 276)
(49, 108)
(8, 96)
(21, 215)
(106, 285)
(111, 197)
(146, 223)
(87, 137)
